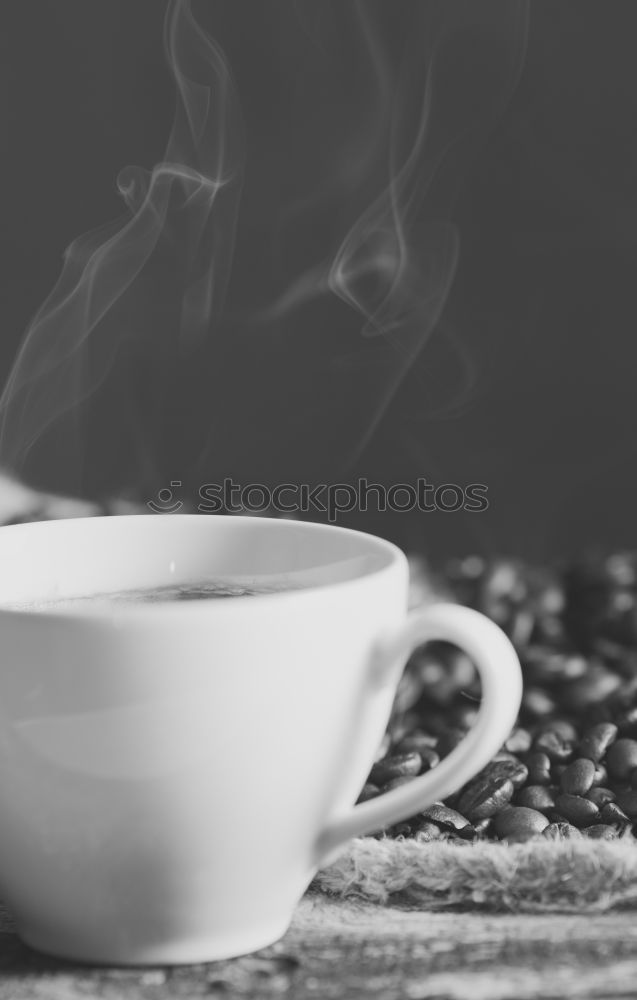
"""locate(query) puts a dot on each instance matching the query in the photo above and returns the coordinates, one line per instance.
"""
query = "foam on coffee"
(190, 591)
(211, 588)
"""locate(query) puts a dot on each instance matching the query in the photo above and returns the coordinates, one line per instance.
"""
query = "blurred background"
(422, 247)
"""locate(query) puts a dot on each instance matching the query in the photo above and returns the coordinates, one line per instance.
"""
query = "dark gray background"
(543, 304)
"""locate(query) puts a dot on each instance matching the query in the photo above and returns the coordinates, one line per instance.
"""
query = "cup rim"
(395, 559)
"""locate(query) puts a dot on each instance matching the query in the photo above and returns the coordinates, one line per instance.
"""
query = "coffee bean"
(480, 800)
(621, 758)
(620, 569)
(537, 702)
(549, 603)
(557, 750)
(468, 832)
(519, 741)
(574, 666)
(397, 782)
(505, 755)
(578, 777)
(417, 741)
(579, 811)
(627, 800)
(369, 791)
(619, 604)
(517, 824)
(539, 768)
(429, 758)
(561, 831)
(482, 826)
(397, 765)
(611, 813)
(427, 832)
(522, 627)
(444, 817)
(600, 776)
(600, 831)
(562, 727)
(627, 723)
(597, 740)
(400, 831)
(430, 667)
(535, 797)
(576, 635)
(597, 684)
(460, 667)
(398, 727)
(502, 579)
(600, 795)
(550, 599)
(492, 788)
(548, 667)
(467, 568)
(513, 769)
(442, 670)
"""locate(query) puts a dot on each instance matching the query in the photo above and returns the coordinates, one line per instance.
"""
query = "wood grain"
(354, 950)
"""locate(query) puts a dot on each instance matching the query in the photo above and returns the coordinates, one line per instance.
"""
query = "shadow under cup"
(167, 768)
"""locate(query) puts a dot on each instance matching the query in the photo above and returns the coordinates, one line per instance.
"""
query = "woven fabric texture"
(538, 876)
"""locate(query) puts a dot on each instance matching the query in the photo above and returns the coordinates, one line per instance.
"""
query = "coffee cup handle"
(501, 679)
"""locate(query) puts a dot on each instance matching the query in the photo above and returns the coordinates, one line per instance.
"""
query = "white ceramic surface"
(172, 775)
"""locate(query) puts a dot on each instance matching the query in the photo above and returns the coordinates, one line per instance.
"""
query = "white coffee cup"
(172, 775)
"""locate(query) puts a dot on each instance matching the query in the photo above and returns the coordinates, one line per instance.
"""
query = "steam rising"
(152, 285)
(181, 221)
(397, 263)
(436, 91)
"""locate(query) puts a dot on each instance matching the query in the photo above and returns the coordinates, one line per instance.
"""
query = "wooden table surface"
(359, 950)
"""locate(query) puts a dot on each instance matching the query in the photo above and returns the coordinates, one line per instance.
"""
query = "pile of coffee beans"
(569, 768)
